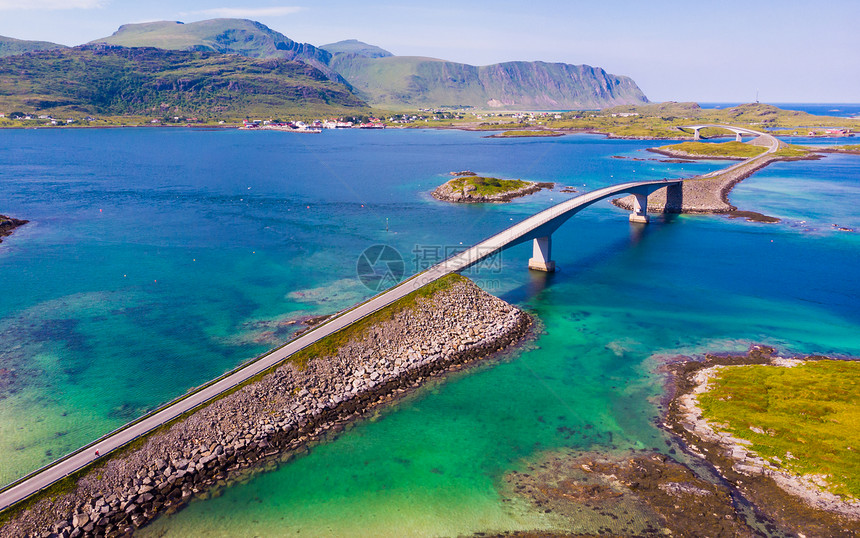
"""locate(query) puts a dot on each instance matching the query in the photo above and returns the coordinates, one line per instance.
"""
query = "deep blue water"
(159, 258)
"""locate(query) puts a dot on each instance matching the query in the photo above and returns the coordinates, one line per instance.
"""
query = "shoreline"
(9, 225)
(790, 501)
(277, 415)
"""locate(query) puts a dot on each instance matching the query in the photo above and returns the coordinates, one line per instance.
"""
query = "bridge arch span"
(540, 227)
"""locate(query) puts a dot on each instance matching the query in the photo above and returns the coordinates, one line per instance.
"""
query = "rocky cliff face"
(404, 81)
(278, 414)
(399, 81)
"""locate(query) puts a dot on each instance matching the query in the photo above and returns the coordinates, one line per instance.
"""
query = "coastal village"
(316, 126)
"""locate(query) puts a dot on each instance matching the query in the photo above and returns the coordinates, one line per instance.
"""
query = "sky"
(727, 51)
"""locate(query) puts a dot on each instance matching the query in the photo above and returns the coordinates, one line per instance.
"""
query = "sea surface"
(839, 110)
(157, 259)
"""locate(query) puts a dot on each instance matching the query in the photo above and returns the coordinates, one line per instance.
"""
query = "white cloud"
(248, 12)
(49, 5)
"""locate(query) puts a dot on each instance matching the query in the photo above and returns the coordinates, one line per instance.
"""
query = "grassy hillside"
(158, 83)
(400, 82)
(9, 46)
(354, 46)
(227, 36)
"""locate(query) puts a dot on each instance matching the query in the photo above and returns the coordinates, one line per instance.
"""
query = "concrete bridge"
(539, 228)
(739, 131)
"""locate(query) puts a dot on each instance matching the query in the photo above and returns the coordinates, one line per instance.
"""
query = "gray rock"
(80, 520)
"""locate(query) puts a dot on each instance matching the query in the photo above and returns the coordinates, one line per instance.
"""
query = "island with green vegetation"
(526, 134)
(469, 188)
(706, 150)
(784, 431)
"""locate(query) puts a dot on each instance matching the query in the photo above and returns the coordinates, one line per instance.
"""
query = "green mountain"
(9, 46)
(227, 36)
(375, 75)
(110, 80)
(400, 82)
(410, 82)
(354, 46)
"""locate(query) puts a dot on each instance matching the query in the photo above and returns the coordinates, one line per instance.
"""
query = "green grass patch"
(717, 149)
(488, 186)
(809, 411)
(792, 150)
(523, 134)
(329, 345)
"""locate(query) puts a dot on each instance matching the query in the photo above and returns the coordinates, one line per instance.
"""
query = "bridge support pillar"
(738, 137)
(541, 255)
(640, 208)
(696, 135)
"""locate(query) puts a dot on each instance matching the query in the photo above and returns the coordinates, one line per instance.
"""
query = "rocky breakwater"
(699, 194)
(8, 225)
(320, 390)
(703, 194)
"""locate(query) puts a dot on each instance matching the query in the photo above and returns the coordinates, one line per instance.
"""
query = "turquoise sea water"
(158, 259)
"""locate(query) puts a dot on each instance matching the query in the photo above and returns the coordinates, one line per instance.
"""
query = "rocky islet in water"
(8, 225)
(469, 188)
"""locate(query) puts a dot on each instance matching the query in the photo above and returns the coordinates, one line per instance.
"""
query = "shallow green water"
(433, 465)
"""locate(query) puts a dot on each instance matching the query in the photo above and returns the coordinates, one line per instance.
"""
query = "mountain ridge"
(414, 81)
(226, 36)
(359, 48)
(374, 75)
(112, 80)
(9, 46)
(400, 82)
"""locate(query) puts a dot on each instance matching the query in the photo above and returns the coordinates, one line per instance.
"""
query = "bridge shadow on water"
(539, 281)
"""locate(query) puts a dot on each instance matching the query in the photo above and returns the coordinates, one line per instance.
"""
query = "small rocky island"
(522, 133)
(469, 188)
(8, 225)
